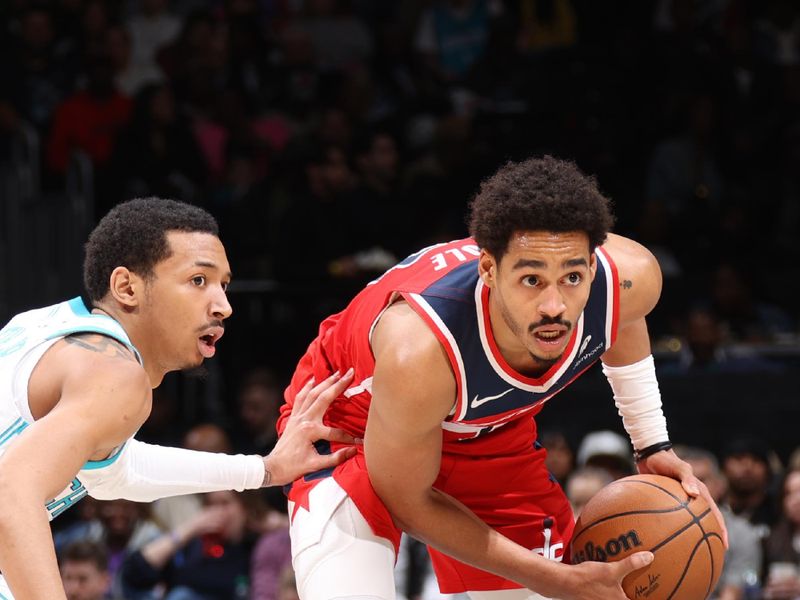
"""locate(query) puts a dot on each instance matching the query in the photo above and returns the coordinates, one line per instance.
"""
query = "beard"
(542, 364)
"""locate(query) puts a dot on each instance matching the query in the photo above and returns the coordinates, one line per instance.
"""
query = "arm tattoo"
(102, 344)
(626, 284)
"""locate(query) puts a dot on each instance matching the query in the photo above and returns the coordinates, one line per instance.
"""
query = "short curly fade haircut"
(538, 194)
(134, 235)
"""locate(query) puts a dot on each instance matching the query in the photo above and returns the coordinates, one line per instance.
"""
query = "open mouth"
(550, 337)
(207, 343)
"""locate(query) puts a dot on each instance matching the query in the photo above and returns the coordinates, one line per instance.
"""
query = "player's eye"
(573, 279)
(199, 280)
(225, 285)
(530, 281)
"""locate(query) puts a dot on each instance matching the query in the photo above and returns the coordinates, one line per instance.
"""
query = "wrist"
(267, 481)
(640, 455)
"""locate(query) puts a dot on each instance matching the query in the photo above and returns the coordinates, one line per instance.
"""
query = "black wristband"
(640, 455)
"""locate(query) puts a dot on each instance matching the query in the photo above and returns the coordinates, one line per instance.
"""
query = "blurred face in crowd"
(703, 335)
(791, 499)
(230, 504)
(560, 457)
(705, 472)
(746, 474)
(37, 30)
(207, 437)
(119, 517)
(382, 159)
(153, 7)
(119, 47)
(83, 580)
(258, 407)
(582, 486)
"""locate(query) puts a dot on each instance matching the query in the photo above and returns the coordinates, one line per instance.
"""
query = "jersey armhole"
(22, 377)
(612, 295)
(445, 337)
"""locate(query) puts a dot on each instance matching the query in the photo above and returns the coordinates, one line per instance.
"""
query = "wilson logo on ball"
(609, 549)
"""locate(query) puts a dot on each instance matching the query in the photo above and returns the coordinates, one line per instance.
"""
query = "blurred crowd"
(334, 137)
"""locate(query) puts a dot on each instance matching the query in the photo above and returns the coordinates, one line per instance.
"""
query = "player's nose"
(220, 307)
(552, 302)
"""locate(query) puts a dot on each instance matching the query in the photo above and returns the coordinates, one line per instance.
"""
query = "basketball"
(652, 512)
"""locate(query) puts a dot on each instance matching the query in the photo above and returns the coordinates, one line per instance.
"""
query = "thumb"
(634, 562)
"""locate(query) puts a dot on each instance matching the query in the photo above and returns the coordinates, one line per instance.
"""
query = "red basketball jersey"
(441, 283)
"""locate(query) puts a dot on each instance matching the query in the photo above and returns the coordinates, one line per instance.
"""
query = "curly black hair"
(133, 235)
(538, 194)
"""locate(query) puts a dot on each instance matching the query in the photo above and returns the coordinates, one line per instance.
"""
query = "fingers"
(300, 399)
(335, 458)
(634, 562)
(333, 435)
(321, 396)
(691, 485)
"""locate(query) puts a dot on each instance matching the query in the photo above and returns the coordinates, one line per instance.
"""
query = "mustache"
(550, 321)
(214, 323)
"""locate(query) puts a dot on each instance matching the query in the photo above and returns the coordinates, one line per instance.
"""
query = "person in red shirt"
(89, 120)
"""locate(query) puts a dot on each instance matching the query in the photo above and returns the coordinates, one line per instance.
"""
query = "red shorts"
(511, 492)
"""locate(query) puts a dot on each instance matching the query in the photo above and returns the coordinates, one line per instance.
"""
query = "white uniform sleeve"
(145, 472)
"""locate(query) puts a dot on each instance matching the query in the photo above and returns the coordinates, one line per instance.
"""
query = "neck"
(129, 322)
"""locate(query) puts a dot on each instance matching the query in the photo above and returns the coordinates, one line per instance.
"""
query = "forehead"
(548, 245)
(190, 248)
(86, 567)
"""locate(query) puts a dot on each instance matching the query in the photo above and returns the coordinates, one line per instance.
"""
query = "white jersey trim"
(610, 291)
(451, 341)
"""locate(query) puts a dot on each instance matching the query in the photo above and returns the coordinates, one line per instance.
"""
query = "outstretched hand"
(294, 455)
(668, 464)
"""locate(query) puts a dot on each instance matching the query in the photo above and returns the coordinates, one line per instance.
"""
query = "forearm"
(27, 557)
(445, 524)
(146, 472)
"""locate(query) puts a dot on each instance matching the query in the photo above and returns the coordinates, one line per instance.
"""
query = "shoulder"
(401, 335)
(411, 362)
(639, 276)
(91, 367)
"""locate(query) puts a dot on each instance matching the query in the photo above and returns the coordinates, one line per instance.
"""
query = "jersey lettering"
(440, 261)
(74, 492)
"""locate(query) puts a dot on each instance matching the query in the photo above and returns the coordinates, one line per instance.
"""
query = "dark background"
(331, 137)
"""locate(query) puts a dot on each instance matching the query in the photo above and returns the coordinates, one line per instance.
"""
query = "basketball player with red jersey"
(455, 350)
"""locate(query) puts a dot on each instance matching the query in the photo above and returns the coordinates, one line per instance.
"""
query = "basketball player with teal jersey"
(76, 382)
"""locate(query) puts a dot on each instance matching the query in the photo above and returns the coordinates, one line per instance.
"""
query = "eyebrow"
(532, 263)
(211, 265)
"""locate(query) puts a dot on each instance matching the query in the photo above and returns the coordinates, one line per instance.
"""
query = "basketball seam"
(686, 568)
(681, 504)
(679, 531)
(627, 514)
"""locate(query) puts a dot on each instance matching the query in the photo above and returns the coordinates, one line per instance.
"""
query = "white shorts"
(336, 556)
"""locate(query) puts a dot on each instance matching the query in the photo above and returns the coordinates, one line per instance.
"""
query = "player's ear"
(487, 268)
(593, 264)
(126, 287)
